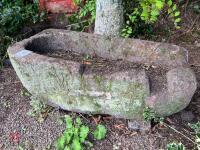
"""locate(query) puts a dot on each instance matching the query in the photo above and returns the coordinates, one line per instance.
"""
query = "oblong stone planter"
(122, 93)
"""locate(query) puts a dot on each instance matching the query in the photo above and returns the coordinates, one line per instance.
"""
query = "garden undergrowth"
(14, 15)
(140, 16)
(75, 136)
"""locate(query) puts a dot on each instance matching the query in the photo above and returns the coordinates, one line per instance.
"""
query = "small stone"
(7, 62)
(119, 144)
(26, 30)
(1, 145)
(115, 147)
(141, 126)
(198, 44)
(187, 116)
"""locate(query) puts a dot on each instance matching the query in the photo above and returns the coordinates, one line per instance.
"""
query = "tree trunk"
(109, 17)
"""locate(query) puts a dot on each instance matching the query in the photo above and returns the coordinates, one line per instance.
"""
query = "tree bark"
(109, 17)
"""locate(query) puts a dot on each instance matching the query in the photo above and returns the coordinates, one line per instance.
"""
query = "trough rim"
(18, 46)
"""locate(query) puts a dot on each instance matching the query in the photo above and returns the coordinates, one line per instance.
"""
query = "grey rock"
(181, 86)
(7, 62)
(123, 93)
(139, 125)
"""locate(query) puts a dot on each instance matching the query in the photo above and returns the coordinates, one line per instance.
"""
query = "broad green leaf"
(68, 121)
(76, 132)
(177, 13)
(178, 20)
(129, 31)
(159, 4)
(60, 143)
(174, 7)
(76, 145)
(169, 3)
(169, 11)
(67, 148)
(84, 130)
(100, 132)
(154, 12)
(145, 15)
(78, 121)
(175, 146)
(68, 134)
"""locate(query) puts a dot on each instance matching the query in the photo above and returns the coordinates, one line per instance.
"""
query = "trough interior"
(44, 45)
(91, 63)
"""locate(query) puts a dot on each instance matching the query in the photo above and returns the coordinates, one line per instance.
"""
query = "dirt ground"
(34, 135)
(38, 136)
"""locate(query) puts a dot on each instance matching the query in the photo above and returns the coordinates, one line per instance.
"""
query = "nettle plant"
(150, 115)
(175, 146)
(141, 14)
(196, 128)
(75, 136)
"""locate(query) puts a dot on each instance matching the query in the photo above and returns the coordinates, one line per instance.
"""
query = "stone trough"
(133, 73)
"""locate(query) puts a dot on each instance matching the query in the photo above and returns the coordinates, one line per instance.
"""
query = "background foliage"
(14, 14)
(85, 16)
(140, 15)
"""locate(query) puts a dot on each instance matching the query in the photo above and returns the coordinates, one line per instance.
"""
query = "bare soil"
(38, 136)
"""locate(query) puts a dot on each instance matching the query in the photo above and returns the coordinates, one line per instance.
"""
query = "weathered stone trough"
(160, 77)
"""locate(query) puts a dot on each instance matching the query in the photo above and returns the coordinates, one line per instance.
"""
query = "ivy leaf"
(84, 130)
(100, 132)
